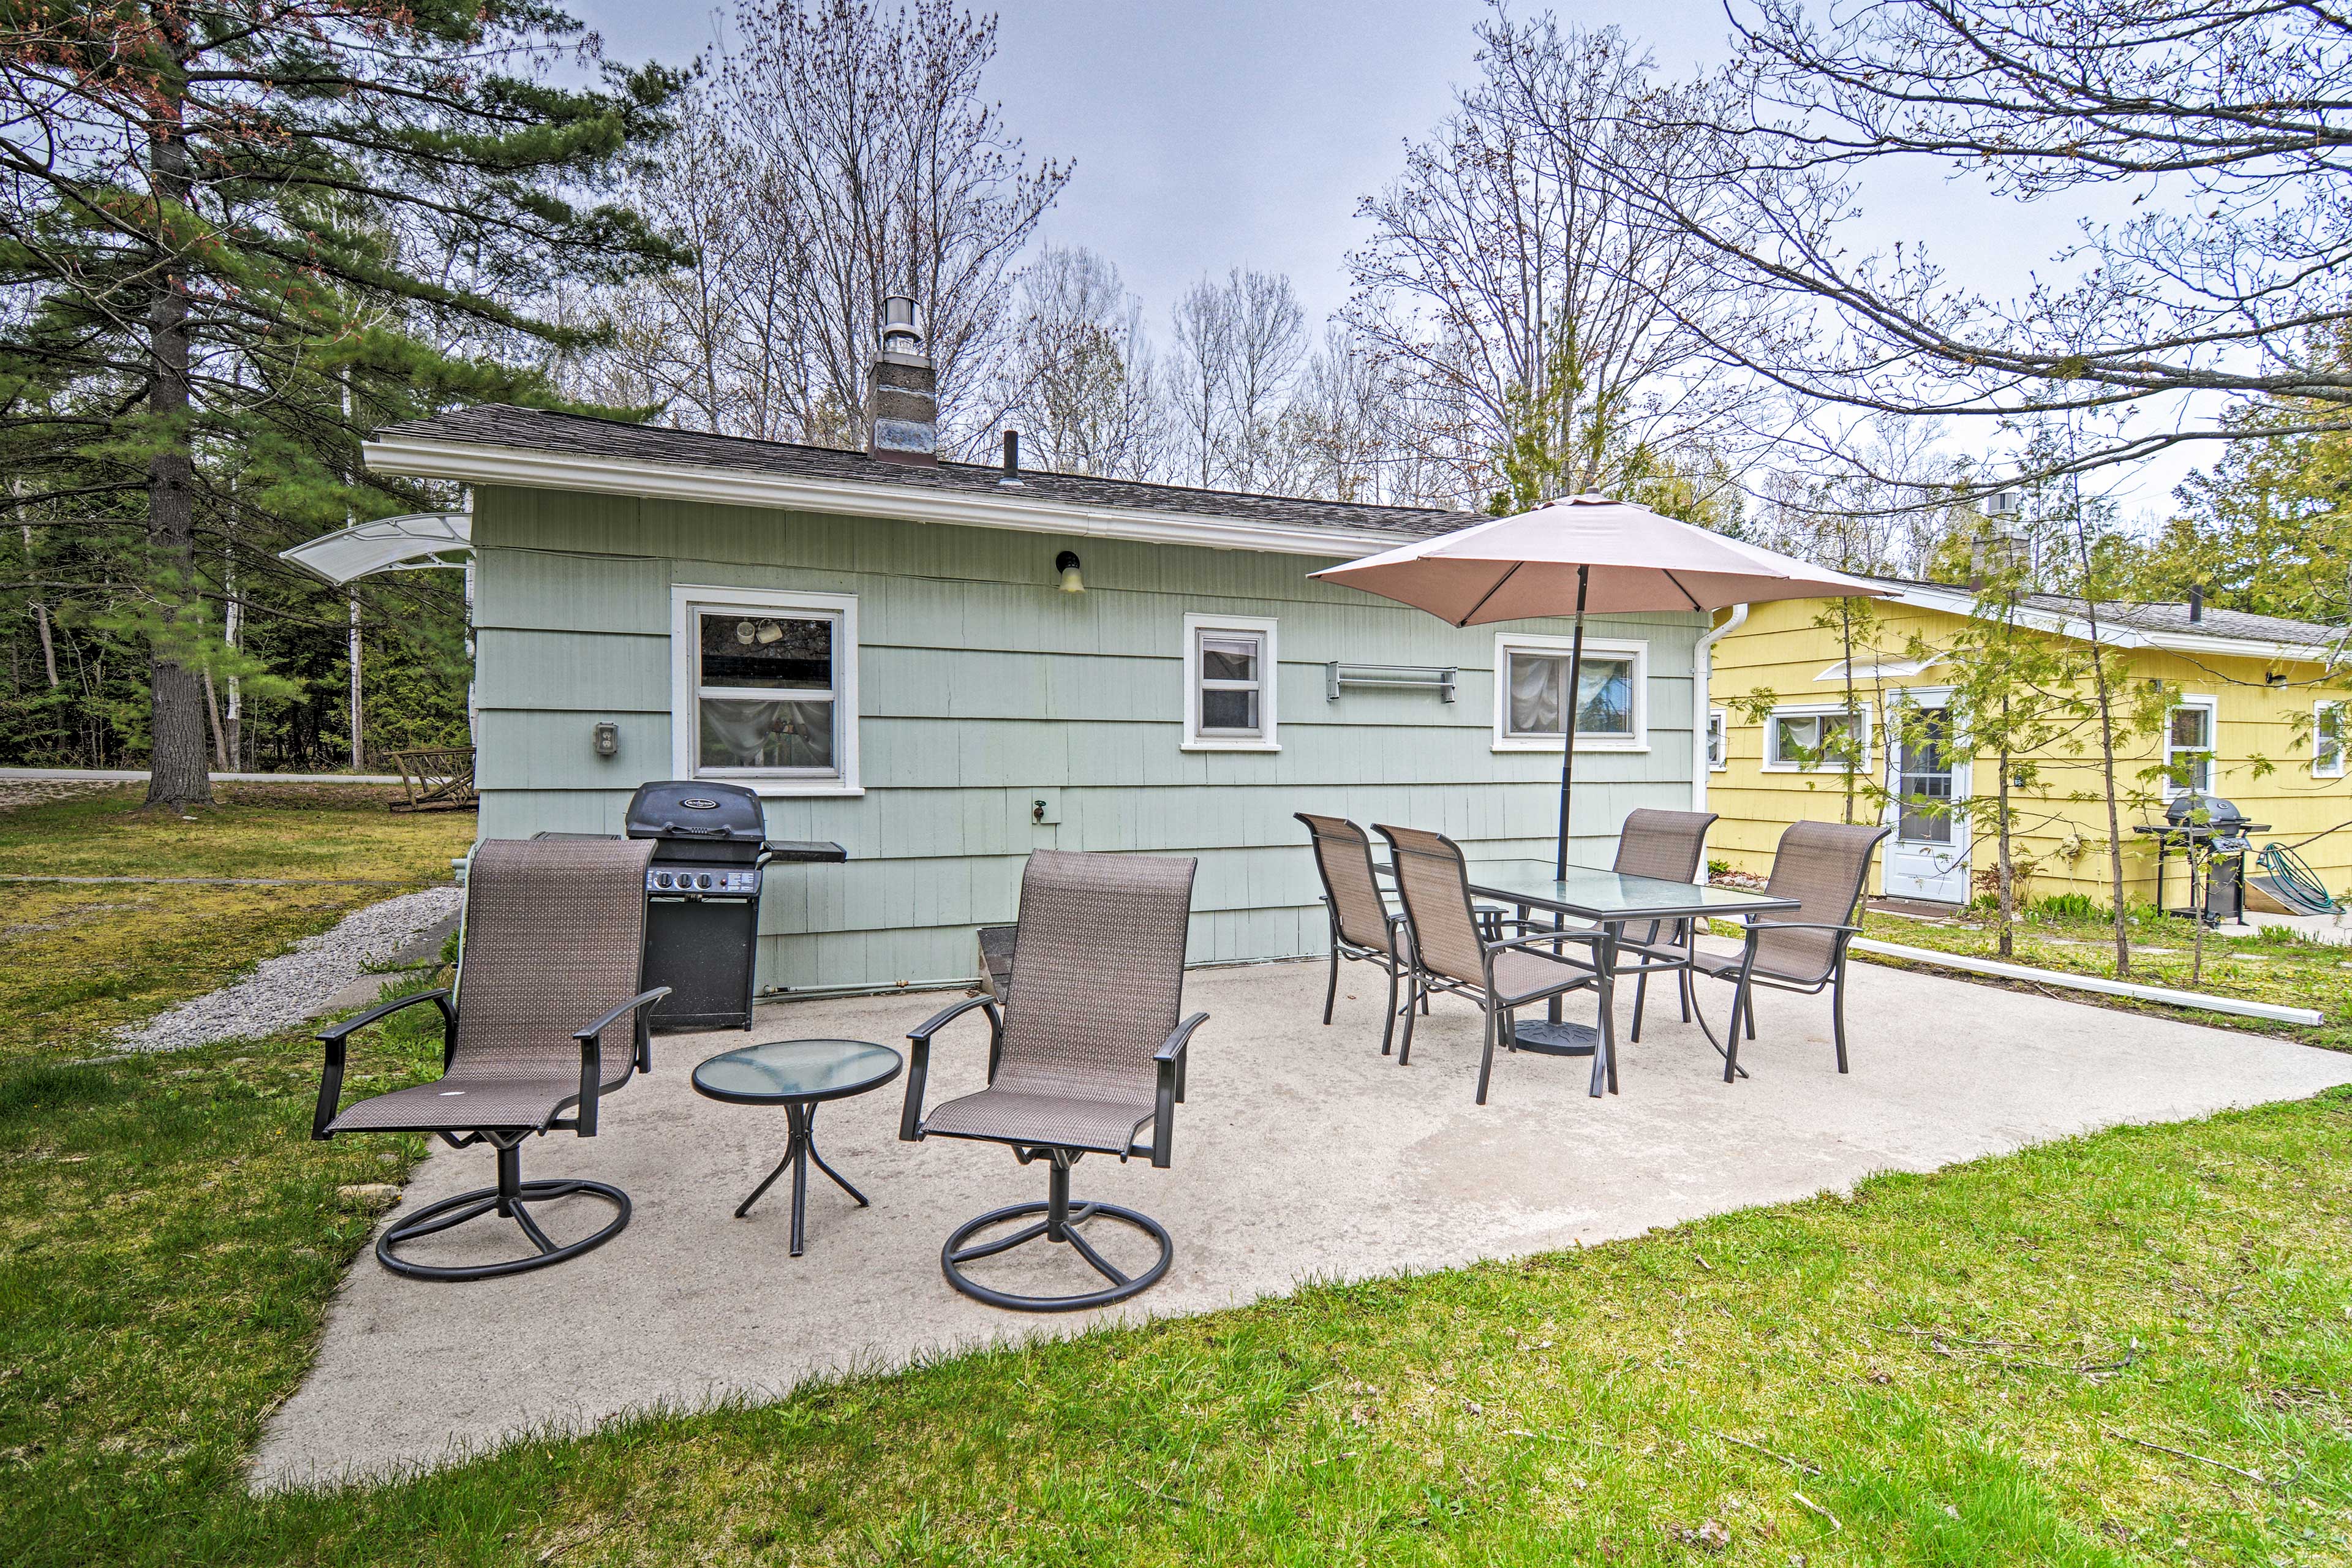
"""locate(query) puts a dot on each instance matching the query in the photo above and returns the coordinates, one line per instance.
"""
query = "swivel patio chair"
(1665, 845)
(1452, 954)
(1362, 928)
(1823, 866)
(553, 959)
(1087, 1054)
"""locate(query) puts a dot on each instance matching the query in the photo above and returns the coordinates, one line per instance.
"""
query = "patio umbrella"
(1608, 556)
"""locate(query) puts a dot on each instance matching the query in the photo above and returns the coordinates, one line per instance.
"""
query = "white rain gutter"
(1703, 678)
(2166, 995)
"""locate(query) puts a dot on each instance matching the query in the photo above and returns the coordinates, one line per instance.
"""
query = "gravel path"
(288, 989)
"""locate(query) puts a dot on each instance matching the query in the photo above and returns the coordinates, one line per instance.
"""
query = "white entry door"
(1928, 858)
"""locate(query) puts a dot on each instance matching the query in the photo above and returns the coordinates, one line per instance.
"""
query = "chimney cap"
(899, 333)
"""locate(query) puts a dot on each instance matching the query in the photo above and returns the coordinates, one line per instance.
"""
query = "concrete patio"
(1302, 1153)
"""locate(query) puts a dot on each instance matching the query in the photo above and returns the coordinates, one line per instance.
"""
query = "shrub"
(2068, 907)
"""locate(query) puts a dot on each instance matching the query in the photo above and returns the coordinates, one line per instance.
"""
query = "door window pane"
(1605, 694)
(1923, 782)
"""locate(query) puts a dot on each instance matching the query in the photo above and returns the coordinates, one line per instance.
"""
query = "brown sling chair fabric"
(553, 963)
(1823, 865)
(1362, 928)
(1665, 845)
(1087, 1054)
(1451, 953)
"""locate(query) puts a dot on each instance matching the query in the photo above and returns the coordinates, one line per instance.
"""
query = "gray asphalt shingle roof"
(538, 430)
(2169, 616)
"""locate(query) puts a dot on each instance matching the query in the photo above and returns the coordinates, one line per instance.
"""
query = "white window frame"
(1508, 643)
(687, 600)
(2321, 769)
(1718, 740)
(2212, 707)
(1811, 711)
(1269, 669)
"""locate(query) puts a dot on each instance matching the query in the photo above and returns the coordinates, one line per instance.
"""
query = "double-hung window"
(2189, 747)
(1531, 686)
(1817, 739)
(1229, 684)
(2327, 740)
(765, 689)
(1718, 740)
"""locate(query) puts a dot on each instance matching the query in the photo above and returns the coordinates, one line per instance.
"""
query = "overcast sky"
(1216, 133)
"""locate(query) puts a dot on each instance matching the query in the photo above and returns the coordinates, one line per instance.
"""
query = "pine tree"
(236, 237)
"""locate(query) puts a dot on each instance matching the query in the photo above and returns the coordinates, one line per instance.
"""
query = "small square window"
(1718, 741)
(1229, 684)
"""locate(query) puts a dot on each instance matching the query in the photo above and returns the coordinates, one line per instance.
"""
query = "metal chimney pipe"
(1012, 456)
(2196, 603)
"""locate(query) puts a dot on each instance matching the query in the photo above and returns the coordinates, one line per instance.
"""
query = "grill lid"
(696, 811)
(2219, 814)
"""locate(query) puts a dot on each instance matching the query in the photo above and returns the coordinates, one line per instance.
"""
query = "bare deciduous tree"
(2224, 123)
(1078, 379)
(1547, 331)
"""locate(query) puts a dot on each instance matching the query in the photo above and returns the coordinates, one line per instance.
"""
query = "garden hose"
(2294, 876)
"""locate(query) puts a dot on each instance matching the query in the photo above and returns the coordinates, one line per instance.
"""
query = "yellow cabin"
(2250, 707)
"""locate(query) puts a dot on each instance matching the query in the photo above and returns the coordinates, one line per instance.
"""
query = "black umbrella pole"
(1567, 722)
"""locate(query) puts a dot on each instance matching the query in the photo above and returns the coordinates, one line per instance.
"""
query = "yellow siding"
(1780, 649)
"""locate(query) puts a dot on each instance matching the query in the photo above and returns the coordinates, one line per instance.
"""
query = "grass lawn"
(77, 958)
(2134, 1346)
(2267, 965)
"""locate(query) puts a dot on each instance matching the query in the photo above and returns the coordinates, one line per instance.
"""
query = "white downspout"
(1702, 677)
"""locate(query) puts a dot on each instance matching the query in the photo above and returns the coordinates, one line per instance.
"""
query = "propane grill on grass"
(2193, 820)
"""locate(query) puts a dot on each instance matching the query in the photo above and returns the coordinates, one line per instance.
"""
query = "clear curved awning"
(416, 543)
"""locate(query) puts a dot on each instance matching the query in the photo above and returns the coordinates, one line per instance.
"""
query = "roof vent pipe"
(2196, 604)
(1011, 459)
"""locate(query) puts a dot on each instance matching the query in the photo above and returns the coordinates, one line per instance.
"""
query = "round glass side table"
(800, 1076)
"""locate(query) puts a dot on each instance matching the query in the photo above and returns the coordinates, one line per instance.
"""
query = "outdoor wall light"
(1067, 564)
(608, 738)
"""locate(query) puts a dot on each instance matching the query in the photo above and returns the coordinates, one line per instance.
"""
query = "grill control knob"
(661, 879)
(703, 880)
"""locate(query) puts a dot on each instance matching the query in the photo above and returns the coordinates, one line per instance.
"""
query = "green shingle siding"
(981, 686)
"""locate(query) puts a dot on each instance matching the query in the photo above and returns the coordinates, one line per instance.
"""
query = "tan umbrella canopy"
(1583, 552)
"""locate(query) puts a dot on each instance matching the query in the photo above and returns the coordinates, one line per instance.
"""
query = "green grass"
(76, 960)
(1981, 1366)
(2268, 964)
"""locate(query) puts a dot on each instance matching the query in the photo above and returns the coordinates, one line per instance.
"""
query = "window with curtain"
(766, 692)
(1814, 743)
(1537, 680)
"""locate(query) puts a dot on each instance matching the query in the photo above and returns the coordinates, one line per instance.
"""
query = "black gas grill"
(2193, 820)
(702, 892)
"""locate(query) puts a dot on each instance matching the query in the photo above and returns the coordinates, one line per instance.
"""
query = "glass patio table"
(1610, 901)
(798, 1076)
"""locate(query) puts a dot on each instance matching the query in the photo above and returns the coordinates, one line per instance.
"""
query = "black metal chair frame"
(509, 1199)
(1060, 1219)
(1833, 978)
(1397, 960)
(1501, 1019)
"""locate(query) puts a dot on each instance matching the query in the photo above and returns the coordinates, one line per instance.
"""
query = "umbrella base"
(1558, 1040)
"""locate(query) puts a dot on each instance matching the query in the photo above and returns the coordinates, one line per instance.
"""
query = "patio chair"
(1823, 866)
(1451, 953)
(554, 952)
(1086, 1055)
(1362, 928)
(1665, 845)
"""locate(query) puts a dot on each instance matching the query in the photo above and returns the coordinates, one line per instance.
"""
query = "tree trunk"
(1853, 727)
(176, 697)
(2003, 855)
(2114, 812)
(40, 610)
